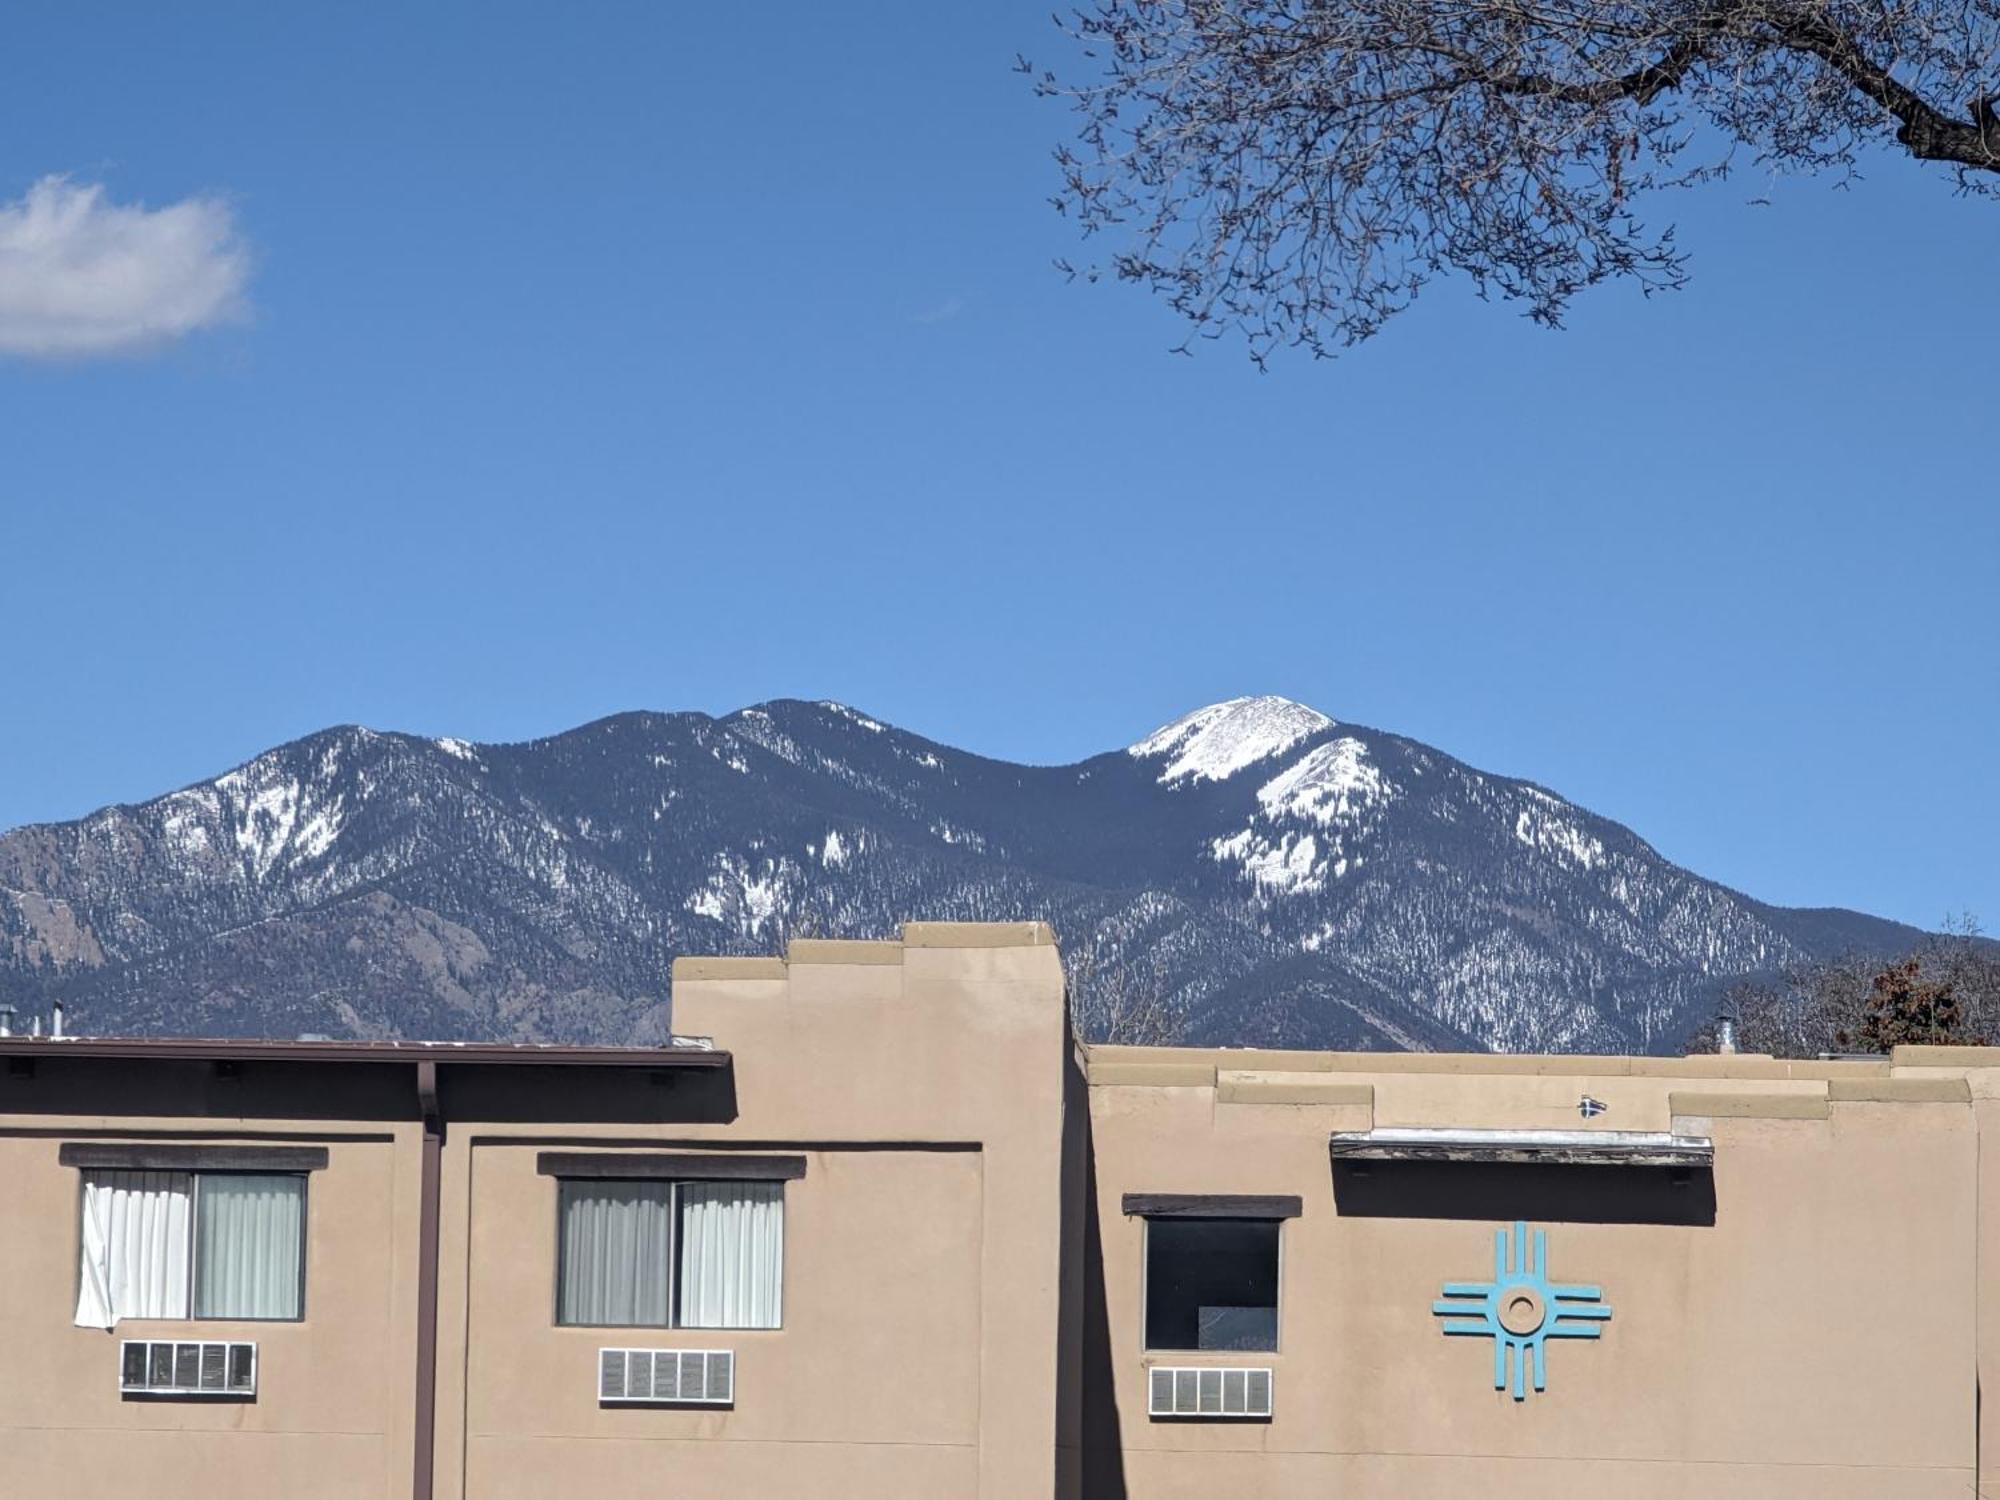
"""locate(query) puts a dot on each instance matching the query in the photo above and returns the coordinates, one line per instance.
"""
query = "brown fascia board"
(1213, 1205)
(676, 1166)
(149, 1156)
(481, 1054)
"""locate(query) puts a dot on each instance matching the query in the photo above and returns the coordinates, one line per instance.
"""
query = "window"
(177, 1245)
(1211, 1283)
(667, 1254)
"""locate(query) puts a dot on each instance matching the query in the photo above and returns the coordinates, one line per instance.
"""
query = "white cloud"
(83, 276)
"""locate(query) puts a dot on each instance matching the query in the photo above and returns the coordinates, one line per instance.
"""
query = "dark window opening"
(1212, 1283)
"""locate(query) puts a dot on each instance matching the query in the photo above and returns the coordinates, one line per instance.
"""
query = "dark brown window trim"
(1213, 1206)
(679, 1166)
(148, 1156)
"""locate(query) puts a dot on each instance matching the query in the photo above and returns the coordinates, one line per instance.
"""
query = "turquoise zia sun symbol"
(1520, 1309)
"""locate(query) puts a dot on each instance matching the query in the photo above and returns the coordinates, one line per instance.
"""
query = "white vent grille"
(162, 1367)
(681, 1377)
(1208, 1391)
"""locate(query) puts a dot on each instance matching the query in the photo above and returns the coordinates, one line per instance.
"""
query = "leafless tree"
(1827, 1005)
(1962, 956)
(1297, 170)
(1109, 1003)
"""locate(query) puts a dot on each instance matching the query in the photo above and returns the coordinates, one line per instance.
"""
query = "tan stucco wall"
(1816, 1339)
(920, 1354)
(876, 1370)
(963, 1291)
(923, 1348)
(332, 1413)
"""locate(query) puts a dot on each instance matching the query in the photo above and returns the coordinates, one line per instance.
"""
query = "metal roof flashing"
(1625, 1148)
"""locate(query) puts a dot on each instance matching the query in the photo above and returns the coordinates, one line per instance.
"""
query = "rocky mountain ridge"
(1268, 875)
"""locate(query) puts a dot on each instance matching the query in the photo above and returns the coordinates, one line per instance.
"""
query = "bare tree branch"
(1295, 171)
(1946, 989)
(1109, 1003)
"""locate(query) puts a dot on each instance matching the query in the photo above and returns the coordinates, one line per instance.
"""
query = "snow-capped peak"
(1214, 743)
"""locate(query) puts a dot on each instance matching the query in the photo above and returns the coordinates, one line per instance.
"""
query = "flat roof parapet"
(843, 951)
(1119, 1064)
(978, 935)
(705, 966)
(885, 951)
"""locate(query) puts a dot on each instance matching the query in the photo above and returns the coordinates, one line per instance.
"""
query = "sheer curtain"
(135, 1247)
(732, 1254)
(617, 1253)
(248, 1250)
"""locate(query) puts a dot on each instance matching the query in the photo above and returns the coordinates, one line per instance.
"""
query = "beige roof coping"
(1756, 1065)
(728, 968)
(1748, 1106)
(868, 951)
(1435, 1062)
(1946, 1057)
(1244, 1086)
(1747, 1065)
(1160, 1075)
(1900, 1090)
(978, 935)
(1838, 1067)
(1268, 1058)
(843, 951)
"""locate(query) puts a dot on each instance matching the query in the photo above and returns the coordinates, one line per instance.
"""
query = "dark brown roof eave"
(481, 1054)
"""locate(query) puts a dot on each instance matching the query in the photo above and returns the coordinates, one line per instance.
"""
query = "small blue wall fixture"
(1520, 1309)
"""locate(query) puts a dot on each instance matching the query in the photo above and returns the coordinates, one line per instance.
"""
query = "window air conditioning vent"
(1208, 1391)
(678, 1377)
(163, 1367)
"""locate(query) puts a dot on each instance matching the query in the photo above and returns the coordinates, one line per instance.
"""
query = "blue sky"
(615, 356)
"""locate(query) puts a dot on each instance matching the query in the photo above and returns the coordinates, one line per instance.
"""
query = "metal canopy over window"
(1583, 1148)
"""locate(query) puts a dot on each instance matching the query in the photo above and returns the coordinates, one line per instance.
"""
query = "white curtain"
(135, 1247)
(617, 1253)
(248, 1250)
(732, 1254)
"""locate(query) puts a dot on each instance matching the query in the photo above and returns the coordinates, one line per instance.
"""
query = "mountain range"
(1257, 872)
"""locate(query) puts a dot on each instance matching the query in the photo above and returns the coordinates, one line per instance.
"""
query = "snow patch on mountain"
(951, 833)
(1335, 786)
(1214, 743)
(1330, 783)
(184, 820)
(746, 894)
(853, 716)
(1558, 836)
(1286, 866)
(265, 817)
(317, 832)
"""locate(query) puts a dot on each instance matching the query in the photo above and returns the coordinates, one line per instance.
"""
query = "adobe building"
(874, 1225)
